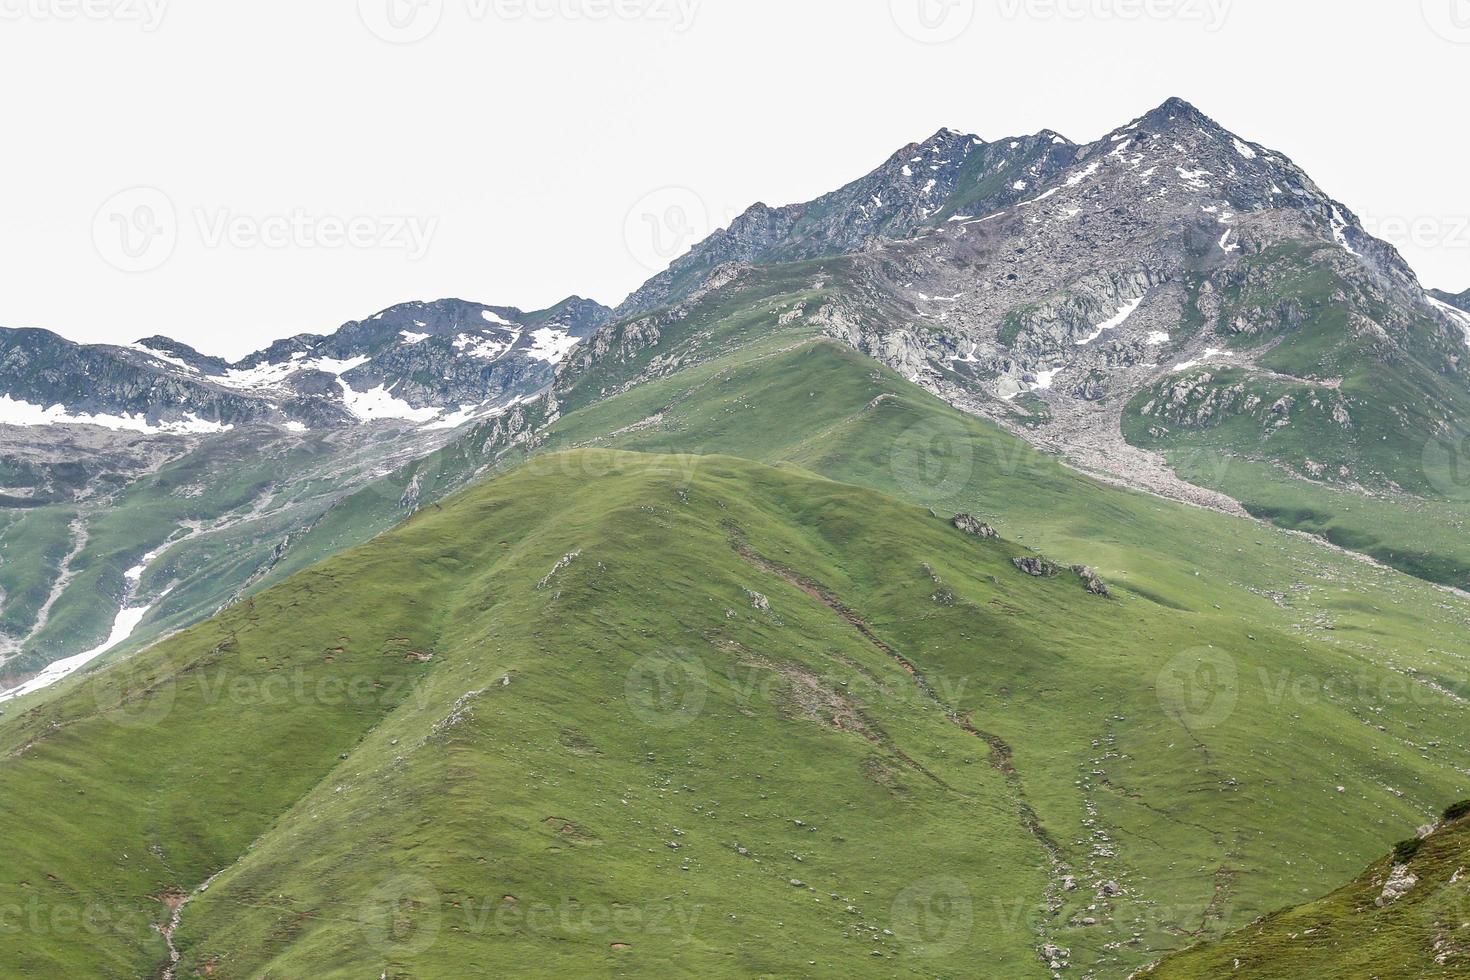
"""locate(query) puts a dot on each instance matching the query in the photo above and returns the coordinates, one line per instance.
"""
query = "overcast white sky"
(524, 150)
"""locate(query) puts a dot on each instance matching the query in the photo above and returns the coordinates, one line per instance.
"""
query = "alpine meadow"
(1031, 559)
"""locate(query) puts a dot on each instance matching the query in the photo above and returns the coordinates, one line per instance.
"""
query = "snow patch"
(482, 348)
(1124, 312)
(414, 338)
(1076, 179)
(25, 415)
(1455, 313)
(166, 358)
(379, 405)
(272, 375)
(123, 625)
(1244, 150)
(551, 345)
(1209, 353)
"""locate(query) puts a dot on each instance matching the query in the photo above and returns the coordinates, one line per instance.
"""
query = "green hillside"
(710, 632)
(439, 732)
(1361, 929)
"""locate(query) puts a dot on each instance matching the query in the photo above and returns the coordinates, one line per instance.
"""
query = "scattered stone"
(759, 601)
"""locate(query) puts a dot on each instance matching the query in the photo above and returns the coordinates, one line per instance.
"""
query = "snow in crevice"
(1078, 178)
(1124, 312)
(166, 358)
(1339, 231)
(124, 624)
(1194, 178)
(1455, 313)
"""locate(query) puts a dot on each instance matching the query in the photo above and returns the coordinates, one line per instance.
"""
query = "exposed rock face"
(415, 363)
(1091, 581)
(1037, 567)
(971, 526)
(921, 183)
(1400, 881)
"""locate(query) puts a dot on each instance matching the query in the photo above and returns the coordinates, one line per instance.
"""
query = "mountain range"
(1033, 553)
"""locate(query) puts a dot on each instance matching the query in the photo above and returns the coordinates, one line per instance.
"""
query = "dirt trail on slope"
(1000, 752)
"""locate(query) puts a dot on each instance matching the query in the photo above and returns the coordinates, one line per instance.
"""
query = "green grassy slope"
(538, 751)
(1131, 777)
(1423, 933)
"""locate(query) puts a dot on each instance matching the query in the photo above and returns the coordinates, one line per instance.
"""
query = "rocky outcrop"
(969, 525)
(1037, 567)
(1091, 581)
